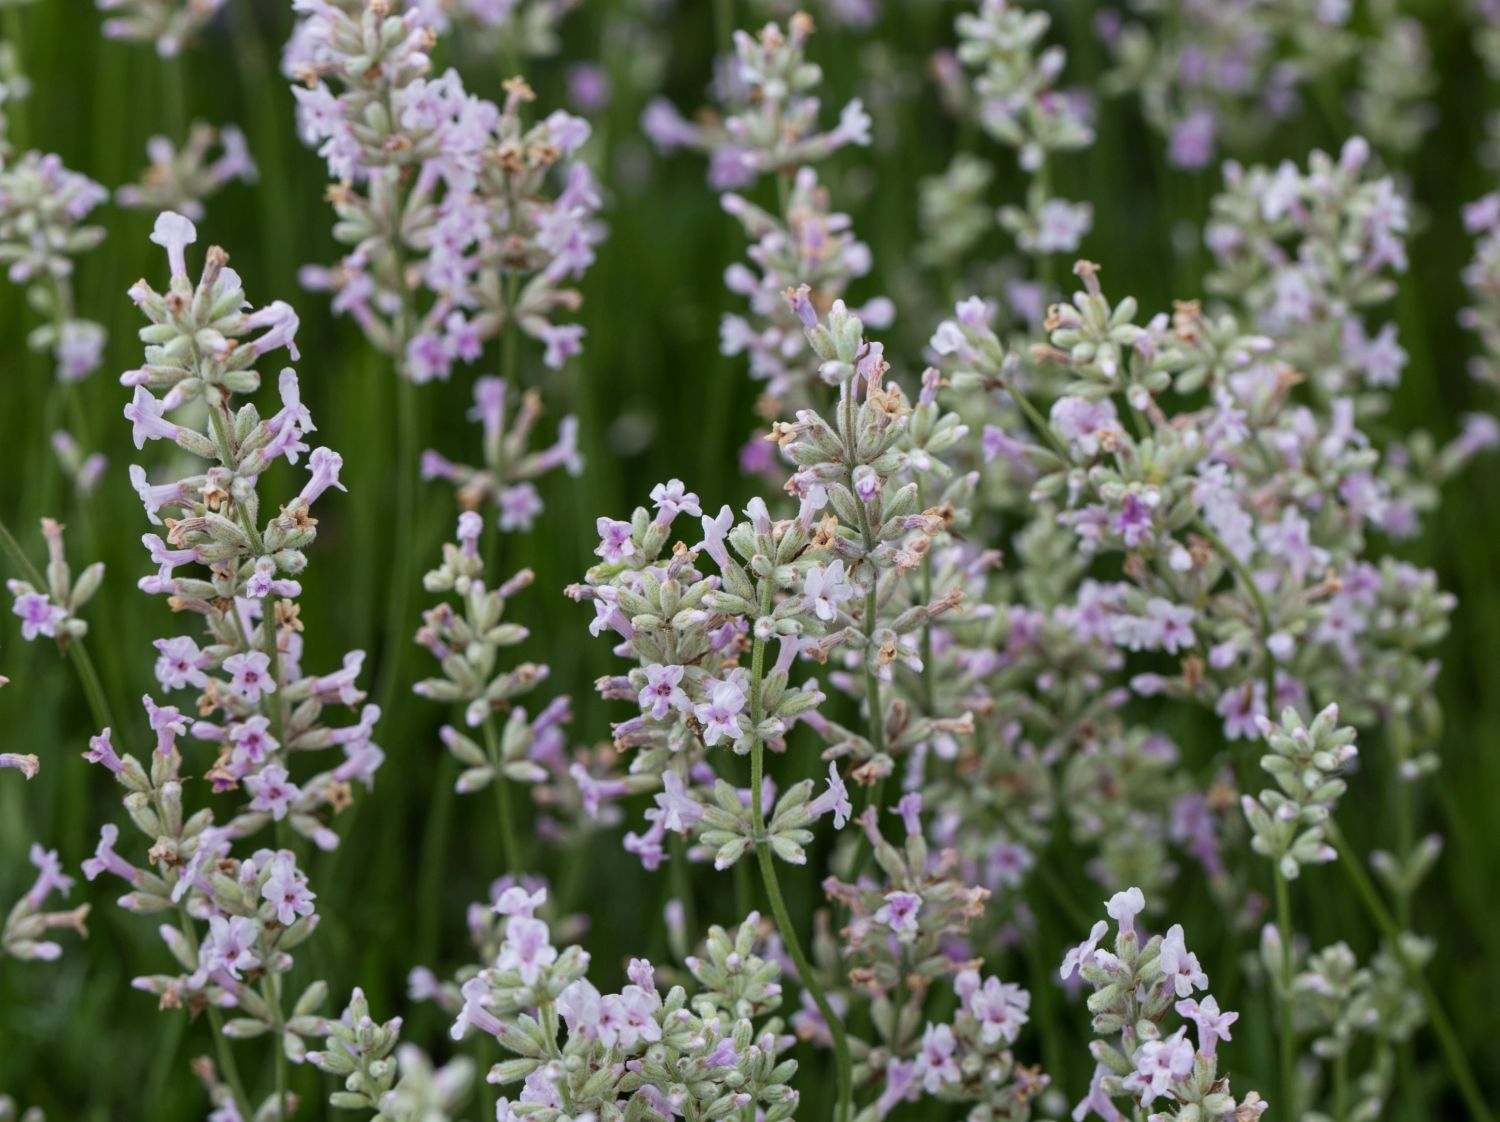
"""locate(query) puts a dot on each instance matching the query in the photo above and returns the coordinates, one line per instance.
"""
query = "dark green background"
(655, 400)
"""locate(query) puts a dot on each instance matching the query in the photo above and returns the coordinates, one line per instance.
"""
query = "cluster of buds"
(180, 179)
(710, 1053)
(769, 104)
(807, 246)
(1482, 278)
(1135, 988)
(1305, 760)
(234, 920)
(506, 479)
(439, 190)
(170, 24)
(53, 610)
(1397, 80)
(82, 469)
(1017, 103)
(511, 28)
(467, 644)
(42, 210)
(1300, 254)
(1221, 75)
(254, 701)
(359, 1050)
(26, 932)
(1342, 1002)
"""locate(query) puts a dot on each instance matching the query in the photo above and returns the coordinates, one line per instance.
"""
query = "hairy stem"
(1286, 1054)
(503, 812)
(1442, 1027)
(216, 1023)
(767, 864)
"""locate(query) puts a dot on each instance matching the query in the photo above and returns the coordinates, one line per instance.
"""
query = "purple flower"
(671, 499)
(101, 751)
(714, 531)
(663, 691)
(720, 715)
(579, 1007)
(527, 948)
(679, 810)
(1001, 1009)
(179, 663)
(229, 946)
(167, 722)
(836, 799)
(272, 792)
(899, 913)
(250, 675)
(615, 544)
(50, 876)
(174, 233)
(1123, 907)
(1180, 965)
(106, 860)
(1213, 1025)
(1159, 1064)
(824, 588)
(936, 1062)
(519, 504)
(1083, 954)
(144, 412)
(39, 615)
(286, 890)
(324, 465)
(563, 342)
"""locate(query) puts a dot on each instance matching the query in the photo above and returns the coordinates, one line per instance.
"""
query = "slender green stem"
(1442, 1027)
(1286, 1051)
(1341, 1086)
(406, 500)
(768, 876)
(724, 25)
(272, 993)
(504, 814)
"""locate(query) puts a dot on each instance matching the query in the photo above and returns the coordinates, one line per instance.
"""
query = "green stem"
(773, 885)
(505, 816)
(1284, 998)
(1341, 1087)
(399, 592)
(1442, 1027)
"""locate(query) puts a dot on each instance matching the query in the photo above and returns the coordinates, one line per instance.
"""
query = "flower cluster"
(170, 24)
(42, 210)
(254, 701)
(25, 934)
(1287, 825)
(1302, 253)
(439, 191)
(1135, 988)
(769, 103)
(179, 179)
(707, 1053)
(235, 919)
(506, 481)
(1017, 103)
(467, 644)
(807, 246)
(1212, 76)
(53, 611)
